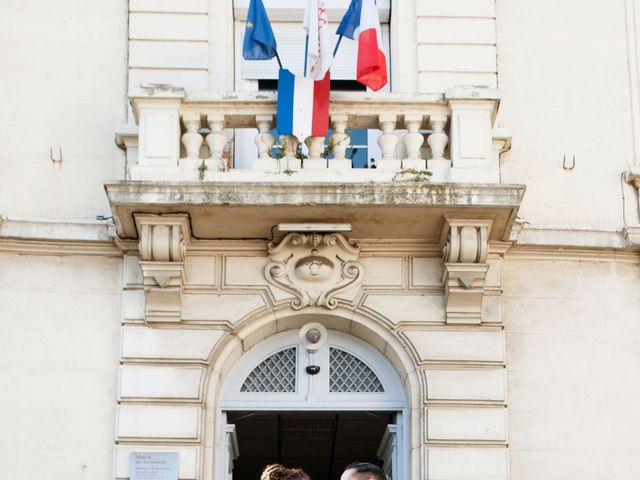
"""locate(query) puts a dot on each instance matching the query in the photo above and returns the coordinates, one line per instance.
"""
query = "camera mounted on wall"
(313, 336)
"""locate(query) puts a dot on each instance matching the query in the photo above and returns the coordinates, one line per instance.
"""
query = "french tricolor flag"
(303, 105)
(361, 21)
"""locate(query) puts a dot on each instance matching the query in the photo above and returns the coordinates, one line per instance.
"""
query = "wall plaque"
(153, 466)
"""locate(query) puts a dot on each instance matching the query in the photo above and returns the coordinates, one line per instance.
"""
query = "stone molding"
(465, 249)
(314, 267)
(57, 231)
(59, 248)
(163, 245)
(632, 232)
(632, 235)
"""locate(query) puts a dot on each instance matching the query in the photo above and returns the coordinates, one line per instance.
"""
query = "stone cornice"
(59, 247)
(293, 193)
(56, 230)
(414, 209)
(572, 238)
(541, 252)
(39, 237)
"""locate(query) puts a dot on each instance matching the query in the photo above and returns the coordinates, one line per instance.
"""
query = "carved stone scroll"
(314, 267)
(163, 243)
(465, 249)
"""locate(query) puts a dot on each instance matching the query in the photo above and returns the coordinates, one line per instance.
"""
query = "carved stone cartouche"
(314, 267)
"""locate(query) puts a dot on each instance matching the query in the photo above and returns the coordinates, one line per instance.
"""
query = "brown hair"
(278, 472)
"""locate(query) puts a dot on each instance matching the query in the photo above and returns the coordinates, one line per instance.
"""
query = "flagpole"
(335, 50)
(306, 55)
(278, 58)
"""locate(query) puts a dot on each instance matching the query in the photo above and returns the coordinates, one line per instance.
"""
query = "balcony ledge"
(249, 210)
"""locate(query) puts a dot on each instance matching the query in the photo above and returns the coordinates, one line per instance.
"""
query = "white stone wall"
(60, 344)
(63, 89)
(566, 92)
(168, 43)
(572, 335)
(456, 43)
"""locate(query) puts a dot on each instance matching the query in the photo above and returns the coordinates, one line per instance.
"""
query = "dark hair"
(278, 472)
(366, 471)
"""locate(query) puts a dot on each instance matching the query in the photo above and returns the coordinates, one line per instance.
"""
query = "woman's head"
(278, 472)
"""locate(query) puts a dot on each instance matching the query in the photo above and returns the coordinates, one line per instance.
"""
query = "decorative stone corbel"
(632, 232)
(163, 242)
(465, 248)
(314, 267)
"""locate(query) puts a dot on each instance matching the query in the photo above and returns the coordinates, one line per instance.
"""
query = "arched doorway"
(319, 408)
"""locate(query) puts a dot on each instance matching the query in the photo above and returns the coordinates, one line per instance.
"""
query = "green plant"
(201, 169)
(412, 175)
(331, 145)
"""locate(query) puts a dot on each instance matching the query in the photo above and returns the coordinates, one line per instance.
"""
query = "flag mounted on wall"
(259, 40)
(303, 105)
(361, 23)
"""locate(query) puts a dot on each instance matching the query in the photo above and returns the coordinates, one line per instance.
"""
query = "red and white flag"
(361, 23)
(319, 55)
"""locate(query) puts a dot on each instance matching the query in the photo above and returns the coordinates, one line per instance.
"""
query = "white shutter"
(292, 10)
(291, 42)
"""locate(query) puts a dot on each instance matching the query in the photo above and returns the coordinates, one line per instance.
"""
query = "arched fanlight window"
(347, 373)
(275, 374)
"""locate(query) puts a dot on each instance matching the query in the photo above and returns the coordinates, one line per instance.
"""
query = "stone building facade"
(173, 278)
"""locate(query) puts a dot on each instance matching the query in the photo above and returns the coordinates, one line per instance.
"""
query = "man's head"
(363, 471)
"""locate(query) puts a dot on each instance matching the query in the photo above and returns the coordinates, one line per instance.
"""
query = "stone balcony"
(183, 137)
(180, 162)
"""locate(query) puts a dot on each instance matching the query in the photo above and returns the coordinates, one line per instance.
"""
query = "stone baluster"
(315, 160)
(339, 142)
(388, 142)
(413, 141)
(265, 141)
(438, 165)
(216, 141)
(290, 147)
(192, 141)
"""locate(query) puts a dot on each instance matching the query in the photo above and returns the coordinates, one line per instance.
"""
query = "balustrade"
(414, 133)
